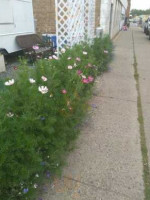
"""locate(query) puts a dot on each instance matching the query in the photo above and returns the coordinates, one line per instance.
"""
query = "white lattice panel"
(91, 18)
(75, 19)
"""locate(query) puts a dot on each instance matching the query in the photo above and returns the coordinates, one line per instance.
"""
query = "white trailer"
(16, 18)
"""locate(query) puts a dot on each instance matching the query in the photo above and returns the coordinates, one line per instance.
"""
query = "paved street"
(107, 163)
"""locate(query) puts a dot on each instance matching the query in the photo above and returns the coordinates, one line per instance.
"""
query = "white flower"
(44, 78)
(105, 51)
(50, 57)
(10, 114)
(10, 82)
(51, 95)
(55, 57)
(31, 80)
(75, 65)
(56, 52)
(69, 58)
(85, 53)
(37, 175)
(69, 67)
(43, 89)
(83, 76)
(63, 50)
(35, 185)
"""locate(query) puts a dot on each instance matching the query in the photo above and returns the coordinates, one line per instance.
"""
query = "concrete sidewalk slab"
(107, 163)
(123, 87)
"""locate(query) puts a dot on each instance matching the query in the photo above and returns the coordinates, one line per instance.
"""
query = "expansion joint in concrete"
(118, 99)
(98, 188)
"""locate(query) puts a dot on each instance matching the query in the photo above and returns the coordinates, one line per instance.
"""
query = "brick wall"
(97, 13)
(44, 14)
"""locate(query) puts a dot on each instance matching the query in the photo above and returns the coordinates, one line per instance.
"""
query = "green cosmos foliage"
(36, 129)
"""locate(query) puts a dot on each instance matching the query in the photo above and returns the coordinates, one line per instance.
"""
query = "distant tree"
(135, 12)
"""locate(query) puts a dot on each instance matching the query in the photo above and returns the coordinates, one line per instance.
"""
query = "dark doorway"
(111, 17)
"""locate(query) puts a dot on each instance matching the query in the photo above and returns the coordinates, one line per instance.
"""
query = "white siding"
(114, 25)
(125, 3)
(105, 15)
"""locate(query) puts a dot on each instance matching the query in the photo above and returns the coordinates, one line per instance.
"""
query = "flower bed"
(40, 112)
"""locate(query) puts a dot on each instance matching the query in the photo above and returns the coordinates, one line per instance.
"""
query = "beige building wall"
(44, 15)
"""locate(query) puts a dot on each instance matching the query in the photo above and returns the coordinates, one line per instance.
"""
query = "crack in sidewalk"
(98, 188)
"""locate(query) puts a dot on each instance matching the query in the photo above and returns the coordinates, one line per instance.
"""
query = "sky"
(140, 4)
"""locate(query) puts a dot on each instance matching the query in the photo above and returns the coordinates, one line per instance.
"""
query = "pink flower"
(78, 59)
(35, 47)
(15, 68)
(50, 57)
(64, 91)
(85, 80)
(89, 65)
(79, 72)
(91, 79)
(69, 67)
(44, 78)
(105, 51)
(55, 57)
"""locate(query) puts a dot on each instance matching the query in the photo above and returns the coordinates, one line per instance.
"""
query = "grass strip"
(146, 170)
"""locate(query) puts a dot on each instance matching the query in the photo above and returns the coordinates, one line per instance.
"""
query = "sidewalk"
(107, 163)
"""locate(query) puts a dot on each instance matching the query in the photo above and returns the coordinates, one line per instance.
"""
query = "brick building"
(44, 15)
(97, 13)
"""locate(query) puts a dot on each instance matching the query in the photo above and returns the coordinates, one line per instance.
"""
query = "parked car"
(146, 26)
(134, 21)
(149, 29)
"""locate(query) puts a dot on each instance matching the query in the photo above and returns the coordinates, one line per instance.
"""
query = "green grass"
(146, 171)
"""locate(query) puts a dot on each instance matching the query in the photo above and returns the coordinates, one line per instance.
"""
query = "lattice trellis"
(75, 19)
